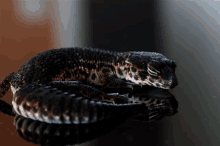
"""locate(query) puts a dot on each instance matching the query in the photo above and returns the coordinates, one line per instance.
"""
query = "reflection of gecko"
(59, 67)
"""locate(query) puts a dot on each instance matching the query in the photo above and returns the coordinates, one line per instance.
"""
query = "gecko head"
(153, 69)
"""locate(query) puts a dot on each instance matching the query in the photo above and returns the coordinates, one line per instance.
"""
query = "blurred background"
(185, 31)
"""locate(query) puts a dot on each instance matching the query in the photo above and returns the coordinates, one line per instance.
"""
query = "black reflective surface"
(43, 133)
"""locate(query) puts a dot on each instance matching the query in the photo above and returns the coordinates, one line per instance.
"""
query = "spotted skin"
(94, 66)
(88, 66)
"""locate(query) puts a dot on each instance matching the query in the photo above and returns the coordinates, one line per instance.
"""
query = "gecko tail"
(5, 84)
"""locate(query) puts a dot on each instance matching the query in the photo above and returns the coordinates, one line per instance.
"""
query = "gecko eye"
(152, 71)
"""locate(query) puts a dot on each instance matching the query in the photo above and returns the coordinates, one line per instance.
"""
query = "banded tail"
(5, 83)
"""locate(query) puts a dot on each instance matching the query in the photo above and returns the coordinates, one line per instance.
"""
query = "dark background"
(127, 26)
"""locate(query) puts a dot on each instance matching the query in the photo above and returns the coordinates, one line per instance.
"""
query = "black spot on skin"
(101, 65)
(82, 72)
(56, 111)
(115, 63)
(86, 74)
(133, 69)
(154, 77)
(130, 75)
(75, 72)
(93, 76)
(105, 70)
(19, 100)
(67, 75)
(158, 85)
(136, 77)
(43, 112)
(34, 109)
(26, 107)
(49, 106)
(143, 75)
(152, 80)
(158, 102)
(91, 66)
(128, 69)
(120, 72)
(151, 106)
